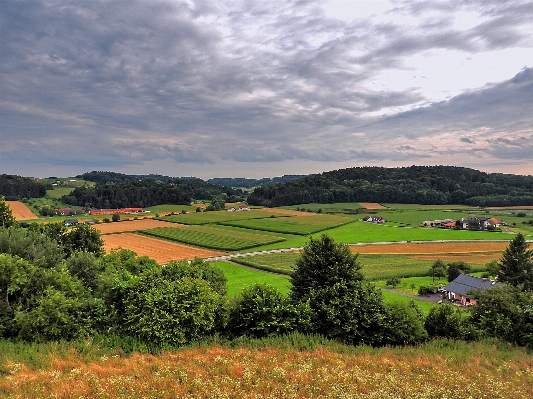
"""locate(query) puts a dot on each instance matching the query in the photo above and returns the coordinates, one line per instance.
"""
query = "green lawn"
(214, 237)
(239, 277)
(425, 306)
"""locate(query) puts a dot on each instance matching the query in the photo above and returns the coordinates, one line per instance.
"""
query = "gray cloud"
(115, 85)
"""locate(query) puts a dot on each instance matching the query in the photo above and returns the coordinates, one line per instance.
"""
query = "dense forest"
(14, 188)
(192, 187)
(128, 194)
(251, 183)
(408, 185)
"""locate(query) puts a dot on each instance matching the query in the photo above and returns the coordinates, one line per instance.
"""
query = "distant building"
(115, 211)
(374, 219)
(70, 222)
(65, 211)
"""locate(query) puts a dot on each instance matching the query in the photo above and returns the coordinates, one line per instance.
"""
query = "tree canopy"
(516, 264)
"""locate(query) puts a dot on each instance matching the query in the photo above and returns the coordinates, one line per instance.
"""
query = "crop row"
(217, 217)
(375, 267)
(292, 225)
(214, 238)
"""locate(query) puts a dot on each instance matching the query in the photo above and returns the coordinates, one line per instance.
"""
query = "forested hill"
(409, 185)
(250, 183)
(15, 188)
(193, 187)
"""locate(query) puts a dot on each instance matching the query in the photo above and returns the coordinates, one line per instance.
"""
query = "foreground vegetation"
(294, 366)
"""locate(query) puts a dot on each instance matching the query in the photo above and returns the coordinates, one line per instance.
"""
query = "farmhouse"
(374, 219)
(65, 211)
(70, 222)
(459, 290)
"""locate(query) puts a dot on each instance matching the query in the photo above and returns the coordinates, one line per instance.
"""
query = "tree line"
(15, 188)
(251, 183)
(192, 186)
(57, 283)
(431, 185)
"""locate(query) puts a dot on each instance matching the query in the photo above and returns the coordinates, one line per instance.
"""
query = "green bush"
(261, 310)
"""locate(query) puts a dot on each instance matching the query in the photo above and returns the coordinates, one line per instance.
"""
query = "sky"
(245, 88)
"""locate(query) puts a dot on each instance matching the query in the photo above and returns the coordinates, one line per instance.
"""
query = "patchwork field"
(131, 225)
(286, 212)
(431, 248)
(218, 238)
(292, 225)
(160, 250)
(21, 211)
(391, 260)
(217, 216)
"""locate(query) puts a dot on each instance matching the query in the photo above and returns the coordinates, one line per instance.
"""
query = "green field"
(390, 297)
(223, 239)
(368, 232)
(375, 267)
(302, 225)
(218, 216)
(240, 277)
(338, 207)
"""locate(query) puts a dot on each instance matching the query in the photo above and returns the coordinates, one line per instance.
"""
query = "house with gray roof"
(459, 290)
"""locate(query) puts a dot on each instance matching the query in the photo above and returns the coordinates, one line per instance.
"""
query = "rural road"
(271, 251)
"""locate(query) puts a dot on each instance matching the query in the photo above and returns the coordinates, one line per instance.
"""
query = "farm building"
(459, 290)
(374, 219)
(65, 211)
(115, 211)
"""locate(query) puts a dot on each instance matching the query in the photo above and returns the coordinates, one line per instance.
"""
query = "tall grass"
(293, 366)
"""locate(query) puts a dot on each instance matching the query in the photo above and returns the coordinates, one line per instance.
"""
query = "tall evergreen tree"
(6, 215)
(516, 264)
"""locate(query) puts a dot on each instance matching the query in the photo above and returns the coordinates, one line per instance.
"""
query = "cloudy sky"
(245, 88)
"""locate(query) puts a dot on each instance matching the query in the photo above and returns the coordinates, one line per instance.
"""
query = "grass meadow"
(219, 216)
(240, 277)
(293, 225)
(294, 366)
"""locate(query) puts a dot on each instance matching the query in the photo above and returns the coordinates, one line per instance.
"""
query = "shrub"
(261, 310)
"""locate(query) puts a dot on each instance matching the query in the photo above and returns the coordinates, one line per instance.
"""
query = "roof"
(464, 283)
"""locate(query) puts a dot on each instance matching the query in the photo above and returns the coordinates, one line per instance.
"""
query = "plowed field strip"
(160, 250)
(21, 211)
(432, 248)
(372, 205)
(469, 258)
(132, 225)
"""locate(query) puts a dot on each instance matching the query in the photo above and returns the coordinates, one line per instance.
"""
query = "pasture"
(292, 225)
(218, 216)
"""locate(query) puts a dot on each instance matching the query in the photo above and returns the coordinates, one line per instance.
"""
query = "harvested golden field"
(286, 212)
(160, 250)
(215, 372)
(432, 248)
(21, 211)
(132, 225)
(372, 205)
